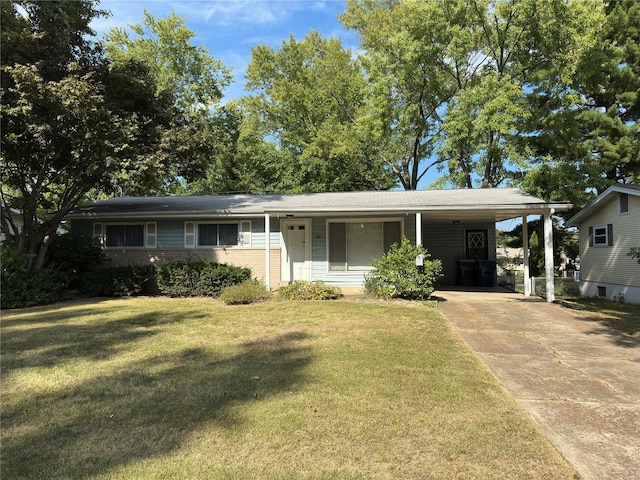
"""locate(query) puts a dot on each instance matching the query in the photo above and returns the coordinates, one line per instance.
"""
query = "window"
(217, 234)
(352, 244)
(128, 235)
(624, 203)
(601, 235)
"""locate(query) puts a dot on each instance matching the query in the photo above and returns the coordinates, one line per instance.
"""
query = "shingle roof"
(310, 203)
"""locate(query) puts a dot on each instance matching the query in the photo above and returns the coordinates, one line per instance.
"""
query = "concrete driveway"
(579, 380)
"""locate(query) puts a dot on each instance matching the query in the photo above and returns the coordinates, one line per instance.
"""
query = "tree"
(404, 43)
(68, 121)
(453, 78)
(309, 96)
(565, 244)
(588, 138)
(192, 78)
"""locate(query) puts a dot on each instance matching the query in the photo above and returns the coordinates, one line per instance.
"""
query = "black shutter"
(591, 236)
(610, 234)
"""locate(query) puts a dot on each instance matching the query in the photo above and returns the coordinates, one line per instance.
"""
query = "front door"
(296, 251)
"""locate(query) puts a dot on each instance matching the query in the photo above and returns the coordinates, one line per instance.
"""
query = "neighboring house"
(322, 236)
(609, 227)
(16, 218)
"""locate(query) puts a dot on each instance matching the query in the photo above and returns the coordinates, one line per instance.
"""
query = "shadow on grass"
(49, 342)
(145, 411)
(621, 321)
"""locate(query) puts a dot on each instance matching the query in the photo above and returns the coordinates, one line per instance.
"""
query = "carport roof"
(495, 204)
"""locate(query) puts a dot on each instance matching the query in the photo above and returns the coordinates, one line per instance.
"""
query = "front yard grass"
(191, 388)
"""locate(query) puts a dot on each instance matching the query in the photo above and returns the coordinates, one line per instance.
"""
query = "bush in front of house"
(303, 290)
(395, 275)
(199, 278)
(249, 291)
(118, 281)
(28, 289)
(68, 259)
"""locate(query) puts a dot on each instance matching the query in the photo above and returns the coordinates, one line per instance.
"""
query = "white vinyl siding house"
(609, 227)
(331, 237)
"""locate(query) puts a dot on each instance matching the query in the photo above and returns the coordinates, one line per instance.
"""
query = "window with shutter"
(601, 235)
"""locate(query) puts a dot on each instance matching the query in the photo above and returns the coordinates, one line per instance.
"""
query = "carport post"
(548, 255)
(525, 256)
(418, 229)
(267, 233)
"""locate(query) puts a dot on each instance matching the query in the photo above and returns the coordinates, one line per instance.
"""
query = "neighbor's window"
(128, 235)
(624, 203)
(217, 234)
(601, 235)
(352, 244)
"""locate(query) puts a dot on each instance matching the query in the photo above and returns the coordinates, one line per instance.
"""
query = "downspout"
(548, 254)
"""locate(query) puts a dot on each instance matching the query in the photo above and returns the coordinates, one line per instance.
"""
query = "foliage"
(249, 291)
(634, 253)
(303, 290)
(309, 97)
(565, 242)
(588, 133)
(68, 260)
(187, 73)
(21, 288)
(74, 255)
(395, 275)
(192, 79)
(117, 281)
(196, 278)
(452, 80)
(69, 122)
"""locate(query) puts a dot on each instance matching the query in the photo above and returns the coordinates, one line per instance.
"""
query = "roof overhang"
(600, 200)
(436, 205)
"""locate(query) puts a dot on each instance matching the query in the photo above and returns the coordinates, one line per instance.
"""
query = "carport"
(487, 207)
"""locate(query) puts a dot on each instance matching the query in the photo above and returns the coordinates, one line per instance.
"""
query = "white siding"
(610, 264)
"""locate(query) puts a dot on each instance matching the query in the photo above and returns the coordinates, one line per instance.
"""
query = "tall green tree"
(195, 82)
(308, 97)
(405, 45)
(588, 133)
(452, 79)
(69, 122)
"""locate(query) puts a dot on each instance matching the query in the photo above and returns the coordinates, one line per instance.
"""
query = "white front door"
(296, 251)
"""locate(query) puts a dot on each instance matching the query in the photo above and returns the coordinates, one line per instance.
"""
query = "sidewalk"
(579, 380)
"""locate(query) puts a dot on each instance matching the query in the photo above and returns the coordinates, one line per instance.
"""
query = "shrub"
(74, 255)
(117, 281)
(395, 275)
(249, 291)
(27, 289)
(199, 278)
(303, 290)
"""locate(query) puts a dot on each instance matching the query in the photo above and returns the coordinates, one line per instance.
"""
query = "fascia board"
(586, 211)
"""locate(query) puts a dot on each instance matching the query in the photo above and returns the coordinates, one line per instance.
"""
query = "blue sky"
(230, 28)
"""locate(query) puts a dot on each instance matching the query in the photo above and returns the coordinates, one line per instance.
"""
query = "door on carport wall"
(476, 244)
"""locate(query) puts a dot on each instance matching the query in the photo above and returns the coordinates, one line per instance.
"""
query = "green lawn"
(190, 388)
